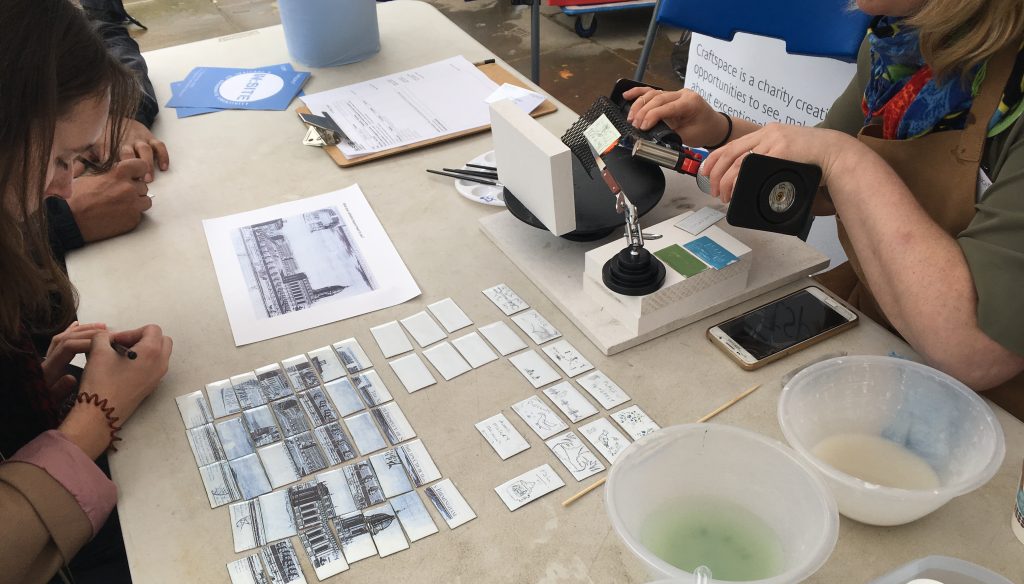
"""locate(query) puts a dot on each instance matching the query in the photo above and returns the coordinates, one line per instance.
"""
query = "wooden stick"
(705, 418)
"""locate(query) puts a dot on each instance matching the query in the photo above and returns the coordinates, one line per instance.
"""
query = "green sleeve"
(845, 114)
(993, 244)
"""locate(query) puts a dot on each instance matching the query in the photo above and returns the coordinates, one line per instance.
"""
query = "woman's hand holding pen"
(122, 382)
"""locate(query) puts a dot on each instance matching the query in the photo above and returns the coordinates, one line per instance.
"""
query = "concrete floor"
(573, 69)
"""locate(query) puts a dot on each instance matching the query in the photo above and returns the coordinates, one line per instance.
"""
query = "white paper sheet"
(407, 107)
(329, 255)
(524, 99)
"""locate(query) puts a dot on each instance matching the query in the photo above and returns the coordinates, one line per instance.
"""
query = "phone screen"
(777, 326)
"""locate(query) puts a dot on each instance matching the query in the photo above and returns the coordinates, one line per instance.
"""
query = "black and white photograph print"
(248, 391)
(289, 415)
(390, 473)
(356, 541)
(235, 439)
(249, 476)
(343, 394)
(223, 401)
(262, 429)
(220, 484)
(385, 529)
(326, 363)
(396, 426)
(301, 373)
(305, 454)
(413, 516)
(352, 355)
(335, 443)
(536, 326)
(418, 463)
(282, 563)
(273, 382)
(248, 570)
(323, 550)
(278, 464)
(318, 407)
(195, 410)
(293, 263)
(363, 483)
(206, 446)
(338, 491)
(372, 388)
(365, 433)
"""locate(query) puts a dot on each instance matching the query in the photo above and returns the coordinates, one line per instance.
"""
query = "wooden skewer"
(714, 413)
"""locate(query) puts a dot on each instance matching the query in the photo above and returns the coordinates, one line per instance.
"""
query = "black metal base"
(633, 272)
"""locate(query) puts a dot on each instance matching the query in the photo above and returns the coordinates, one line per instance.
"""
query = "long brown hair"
(50, 60)
(956, 35)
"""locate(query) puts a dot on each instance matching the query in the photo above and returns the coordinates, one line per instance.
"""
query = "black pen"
(483, 166)
(463, 177)
(123, 350)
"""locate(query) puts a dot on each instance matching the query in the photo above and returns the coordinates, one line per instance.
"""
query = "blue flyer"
(187, 112)
(258, 88)
(710, 252)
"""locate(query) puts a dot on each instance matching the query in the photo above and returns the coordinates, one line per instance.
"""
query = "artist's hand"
(112, 203)
(797, 143)
(696, 122)
(138, 142)
(64, 346)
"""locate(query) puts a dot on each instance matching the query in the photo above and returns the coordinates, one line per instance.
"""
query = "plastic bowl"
(745, 469)
(928, 412)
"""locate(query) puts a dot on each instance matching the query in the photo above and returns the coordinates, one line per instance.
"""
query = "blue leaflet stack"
(211, 89)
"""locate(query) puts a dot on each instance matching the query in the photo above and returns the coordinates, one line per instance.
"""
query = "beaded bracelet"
(728, 133)
(108, 412)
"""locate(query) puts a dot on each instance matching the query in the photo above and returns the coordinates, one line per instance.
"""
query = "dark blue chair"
(820, 28)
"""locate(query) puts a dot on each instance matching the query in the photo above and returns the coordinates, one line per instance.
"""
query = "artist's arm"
(918, 273)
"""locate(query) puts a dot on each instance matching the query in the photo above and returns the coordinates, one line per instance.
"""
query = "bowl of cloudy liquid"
(895, 440)
(745, 506)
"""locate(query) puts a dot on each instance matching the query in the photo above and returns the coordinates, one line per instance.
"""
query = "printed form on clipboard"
(407, 107)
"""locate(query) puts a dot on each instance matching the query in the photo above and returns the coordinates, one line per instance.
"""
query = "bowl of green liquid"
(743, 505)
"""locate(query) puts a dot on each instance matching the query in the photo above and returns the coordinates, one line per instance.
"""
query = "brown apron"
(941, 170)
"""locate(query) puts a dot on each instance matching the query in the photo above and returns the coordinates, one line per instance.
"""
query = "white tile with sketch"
(605, 438)
(339, 493)
(365, 433)
(323, 550)
(502, 436)
(413, 374)
(534, 368)
(529, 486)
(372, 388)
(195, 410)
(635, 422)
(502, 337)
(603, 389)
(235, 439)
(391, 339)
(450, 503)
(392, 420)
(448, 362)
(570, 402)
(220, 484)
(273, 382)
(475, 350)
(423, 328)
(326, 363)
(413, 516)
(418, 463)
(577, 458)
(449, 314)
(305, 454)
(247, 390)
(250, 477)
(262, 520)
(318, 408)
(505, 299)
(356, 541)
(248, 570)
(363, 483)
(206, 445)
(352, 355)
(300, 372)
(223, 401)
(335, 443)
(542, 419)
(289, 415)
(282, 563)
(343, 394)
(568, 359)
(536, 326)
(278, 465)
(261, 426)
(386, 531)
(329, 255)
(390, 473)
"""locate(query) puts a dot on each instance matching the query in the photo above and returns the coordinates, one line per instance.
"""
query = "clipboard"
(496, 72)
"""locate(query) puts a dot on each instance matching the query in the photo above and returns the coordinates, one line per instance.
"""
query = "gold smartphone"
(782, 327)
